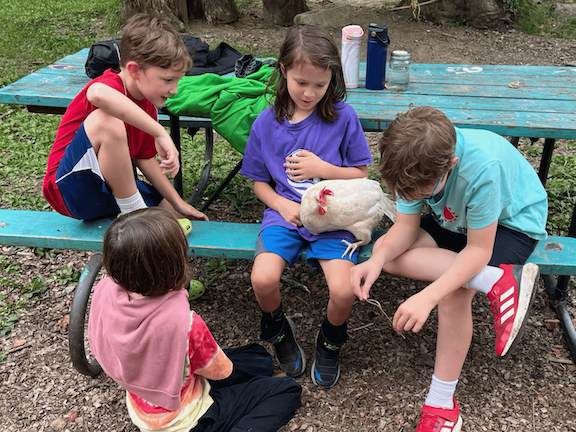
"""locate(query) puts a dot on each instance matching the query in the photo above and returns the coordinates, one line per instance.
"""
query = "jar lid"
(400, 55)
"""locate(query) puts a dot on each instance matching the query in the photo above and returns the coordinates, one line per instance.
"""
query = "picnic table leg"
(546, 160)
(175, 134)
(557, 287)
(222, 186)
(78, 318)
(205, 176)
(558, 293)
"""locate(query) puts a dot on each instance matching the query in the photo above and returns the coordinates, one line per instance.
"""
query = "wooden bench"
(555, 256)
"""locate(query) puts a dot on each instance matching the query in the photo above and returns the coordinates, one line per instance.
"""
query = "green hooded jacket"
(232, 103)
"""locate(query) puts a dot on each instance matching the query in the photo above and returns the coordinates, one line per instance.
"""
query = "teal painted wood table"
(515, 101)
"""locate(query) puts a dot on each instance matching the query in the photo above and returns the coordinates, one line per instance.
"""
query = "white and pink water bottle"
(351, 36)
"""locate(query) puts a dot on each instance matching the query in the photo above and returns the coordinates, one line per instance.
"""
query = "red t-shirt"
(140, 143)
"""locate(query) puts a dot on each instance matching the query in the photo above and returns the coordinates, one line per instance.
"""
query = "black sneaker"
(326, 368)
(290, 355)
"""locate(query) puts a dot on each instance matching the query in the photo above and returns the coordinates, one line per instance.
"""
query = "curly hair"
(151, 41)
(416, 150)
(308, 44)
(145, 252)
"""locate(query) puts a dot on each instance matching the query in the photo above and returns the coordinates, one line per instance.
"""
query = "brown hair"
(151, 41)
(305, 43)
(146, 252)
(416, 150)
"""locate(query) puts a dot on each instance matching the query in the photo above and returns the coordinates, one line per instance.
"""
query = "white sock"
(131, 203)
(485, 280)
(441, 393)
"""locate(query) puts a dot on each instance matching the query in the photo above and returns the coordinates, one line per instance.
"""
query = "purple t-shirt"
(341, 143)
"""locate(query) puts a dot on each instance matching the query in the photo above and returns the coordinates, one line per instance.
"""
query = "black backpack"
(102, 56)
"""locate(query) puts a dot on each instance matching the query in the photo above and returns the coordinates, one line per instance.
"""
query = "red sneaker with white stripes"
(433, 419)
(511, 299)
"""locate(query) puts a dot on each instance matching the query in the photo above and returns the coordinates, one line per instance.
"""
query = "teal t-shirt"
(491, 182)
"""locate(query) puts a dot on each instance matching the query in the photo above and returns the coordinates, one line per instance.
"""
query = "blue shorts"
(288, 244)
(83, 187)
(510, 247)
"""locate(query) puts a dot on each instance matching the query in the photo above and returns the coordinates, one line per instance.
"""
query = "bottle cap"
(381, 30)
(352, 33)
(379, 33)
(400, 55)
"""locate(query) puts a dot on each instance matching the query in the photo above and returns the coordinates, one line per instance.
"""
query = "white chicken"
(354, 205)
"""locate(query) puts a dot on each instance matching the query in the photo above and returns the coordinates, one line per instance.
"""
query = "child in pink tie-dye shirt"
(145, 337)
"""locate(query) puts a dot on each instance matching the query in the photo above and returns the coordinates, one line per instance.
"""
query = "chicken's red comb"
(324, 191)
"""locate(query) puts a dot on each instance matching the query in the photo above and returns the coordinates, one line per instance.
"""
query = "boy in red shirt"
(111, 127)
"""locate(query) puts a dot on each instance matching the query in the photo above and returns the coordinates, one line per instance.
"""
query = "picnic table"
(515, 101)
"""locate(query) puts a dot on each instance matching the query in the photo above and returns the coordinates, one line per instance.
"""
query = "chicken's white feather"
(355, 205)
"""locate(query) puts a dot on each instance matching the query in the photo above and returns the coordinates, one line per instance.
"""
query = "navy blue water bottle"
(376, 56)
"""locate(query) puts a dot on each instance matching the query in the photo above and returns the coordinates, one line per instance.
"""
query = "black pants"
(250, 399)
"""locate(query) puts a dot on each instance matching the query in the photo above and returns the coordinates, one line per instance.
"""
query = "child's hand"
(168, 155)
(304, 166)
(413, 313)
(362, 277)
(190, 212)
(290, 211)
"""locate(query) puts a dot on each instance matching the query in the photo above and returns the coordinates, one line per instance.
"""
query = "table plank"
(543, 105)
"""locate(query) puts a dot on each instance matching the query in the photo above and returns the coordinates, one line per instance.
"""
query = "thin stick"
(362, 327)
(379, 306)
(294, 283)
(6, 114)
(533, 416)
(410, 6)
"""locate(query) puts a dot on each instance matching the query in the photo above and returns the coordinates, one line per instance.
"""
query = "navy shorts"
(288, 244)
(510, 247)
(83, 187)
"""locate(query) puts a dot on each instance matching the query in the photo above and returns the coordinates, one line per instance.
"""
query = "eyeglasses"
(435, 191)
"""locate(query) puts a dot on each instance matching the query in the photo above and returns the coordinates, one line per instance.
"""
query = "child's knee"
(264, 280)
(103, 128)
(342, 295)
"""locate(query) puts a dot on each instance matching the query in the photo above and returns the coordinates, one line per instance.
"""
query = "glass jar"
(399, 70)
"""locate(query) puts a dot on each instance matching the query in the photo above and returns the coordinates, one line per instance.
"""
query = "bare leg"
(454, 334)
(266, 274)
(426, 262)
(110, 142)
(342, 297)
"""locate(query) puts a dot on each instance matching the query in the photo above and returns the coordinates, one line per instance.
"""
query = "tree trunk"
(477, 13)
(282, 12)
(179, 11)
(169, 9)
(220, 11)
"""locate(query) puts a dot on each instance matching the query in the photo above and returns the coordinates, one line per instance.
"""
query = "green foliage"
(215, 265)
(9, 314)
(65, 277)
(561, 188)
(35, 33)
(25, 141)
(537, 18)
(8, 266)
(238, 193)
(36, 286)
(47, 252)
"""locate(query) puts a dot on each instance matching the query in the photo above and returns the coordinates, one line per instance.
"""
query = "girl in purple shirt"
(309, 135)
